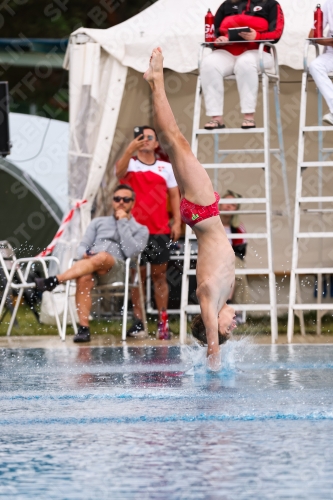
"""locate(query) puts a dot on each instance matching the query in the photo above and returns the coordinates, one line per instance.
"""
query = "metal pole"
(320, 206)
(141, 295)
(64, 317)
(216, 160)
(67, 298)
(23, 278)
(71, 312)
(148, 288)
(272, 286)
(319, 297)
(298, 194)
(125, 307)
(188, 231)
(12, 319)
(320, 147)
(282, 155)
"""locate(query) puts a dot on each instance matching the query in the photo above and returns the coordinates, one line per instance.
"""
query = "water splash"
(232, 353)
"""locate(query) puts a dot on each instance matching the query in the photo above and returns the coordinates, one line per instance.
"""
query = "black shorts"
(157, 250)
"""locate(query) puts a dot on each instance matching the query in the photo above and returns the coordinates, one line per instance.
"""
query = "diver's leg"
(192, 179)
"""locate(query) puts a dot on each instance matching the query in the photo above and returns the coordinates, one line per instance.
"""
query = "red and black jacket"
(264, 16)
(239, 245)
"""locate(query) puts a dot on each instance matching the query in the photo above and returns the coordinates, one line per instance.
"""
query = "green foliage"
(59, 18)
(28, 325)
(43, 90)
(254, 326)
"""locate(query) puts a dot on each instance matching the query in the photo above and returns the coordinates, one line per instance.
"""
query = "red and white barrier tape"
(49, 249)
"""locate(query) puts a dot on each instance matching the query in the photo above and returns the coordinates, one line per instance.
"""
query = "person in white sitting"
(265, 21)
(323, 64)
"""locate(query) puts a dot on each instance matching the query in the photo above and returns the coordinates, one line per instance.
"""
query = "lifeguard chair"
(255, 206)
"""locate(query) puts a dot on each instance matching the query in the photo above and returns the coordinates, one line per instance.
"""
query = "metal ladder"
(266, 78)
(300, 200)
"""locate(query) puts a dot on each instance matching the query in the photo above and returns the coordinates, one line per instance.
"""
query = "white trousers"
(245, 67)
(319, 69)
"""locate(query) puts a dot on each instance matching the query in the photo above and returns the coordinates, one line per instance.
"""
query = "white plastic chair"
(116, 288)
(18, 270)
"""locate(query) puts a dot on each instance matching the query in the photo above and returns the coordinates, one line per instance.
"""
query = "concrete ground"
(54, 342)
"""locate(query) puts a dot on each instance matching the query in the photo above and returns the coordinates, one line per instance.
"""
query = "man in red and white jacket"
(153, 182)
(266, 22)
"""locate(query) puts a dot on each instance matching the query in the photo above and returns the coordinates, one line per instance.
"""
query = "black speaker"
(4, 120)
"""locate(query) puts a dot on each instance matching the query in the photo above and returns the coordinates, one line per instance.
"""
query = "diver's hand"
(214, 363)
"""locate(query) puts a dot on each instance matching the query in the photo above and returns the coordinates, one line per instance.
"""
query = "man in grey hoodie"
(105, 246)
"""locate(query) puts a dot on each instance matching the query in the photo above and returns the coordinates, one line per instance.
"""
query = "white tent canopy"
(99, 61)
(178, 27)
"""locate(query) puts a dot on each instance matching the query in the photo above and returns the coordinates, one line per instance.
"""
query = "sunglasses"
(126, 199)
(148, 137)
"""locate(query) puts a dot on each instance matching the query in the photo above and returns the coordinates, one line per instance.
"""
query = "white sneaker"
(328, 118)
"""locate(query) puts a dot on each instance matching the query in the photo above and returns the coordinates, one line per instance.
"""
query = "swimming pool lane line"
(106, 397)
(312, 416)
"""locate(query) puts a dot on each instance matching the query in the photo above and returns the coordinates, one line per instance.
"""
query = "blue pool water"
(151, 423)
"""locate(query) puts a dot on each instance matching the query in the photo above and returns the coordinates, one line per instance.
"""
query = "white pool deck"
(105, 340)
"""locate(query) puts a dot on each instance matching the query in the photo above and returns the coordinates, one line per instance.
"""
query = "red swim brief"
(192, 214)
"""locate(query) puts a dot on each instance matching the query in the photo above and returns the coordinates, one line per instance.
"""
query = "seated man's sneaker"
(83, 334)
(328, 118)
(46, 284)
(136, 330)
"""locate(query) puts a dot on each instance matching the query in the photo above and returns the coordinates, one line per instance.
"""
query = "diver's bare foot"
(214, 362)
(155, 70)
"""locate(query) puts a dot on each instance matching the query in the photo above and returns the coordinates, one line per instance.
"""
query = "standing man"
(322, 65)
(153, 182)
